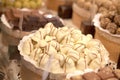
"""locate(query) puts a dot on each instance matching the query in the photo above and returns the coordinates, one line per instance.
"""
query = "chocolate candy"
(2, 75)
(111, 27)
(117, 73)
(106, 73)
(65, 11)
(32, 20)
(91, 76)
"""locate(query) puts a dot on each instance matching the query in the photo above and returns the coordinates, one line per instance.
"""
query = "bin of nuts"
(108, 28)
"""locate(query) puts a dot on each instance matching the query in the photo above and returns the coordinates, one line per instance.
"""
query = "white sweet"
(65, 49)
(37, 53)
(27, 47)
(51, 50)
(69, 65)
(79, 47)
(44, 61)
(81, 65)
(66, 39)
(36, 37)
(95, 64)
(42, 43)
(74, 55)
(48, 28)
(54, 32)
(49, 38)
(52, 29)
(55, 66)
(76, 35)
(60, 35)
(55, 44)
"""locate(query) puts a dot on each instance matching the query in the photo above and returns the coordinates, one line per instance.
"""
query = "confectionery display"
(65, 53)
(85, 10)
(17, 23)
(103, 74)
(107, 28)
(33, 4)
(59, 39)
(110, 19)
(31, 20)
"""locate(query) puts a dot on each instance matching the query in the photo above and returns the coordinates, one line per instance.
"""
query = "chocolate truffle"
(65, 11)
(32, 20)
(104, 22)
(106, 73)
(111, 27)
(91, 76)
(118, 31)
(117, 19)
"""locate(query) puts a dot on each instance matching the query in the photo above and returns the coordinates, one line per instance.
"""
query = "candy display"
(67, 52)
(110, 17)
(31, 20)
(107, 35)
(103, 74)
(60, 39)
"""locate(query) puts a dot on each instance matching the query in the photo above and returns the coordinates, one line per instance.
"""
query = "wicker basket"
(110, 41)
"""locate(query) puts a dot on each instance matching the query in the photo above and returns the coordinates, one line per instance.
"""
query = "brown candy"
(118, 31)
(117, 19)
(102, 9)
(111, 27)
(32, 20)
(117, 73)
(112, 79)
(106, 73)
(76, 78)
(104, 22)
(91, 76)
